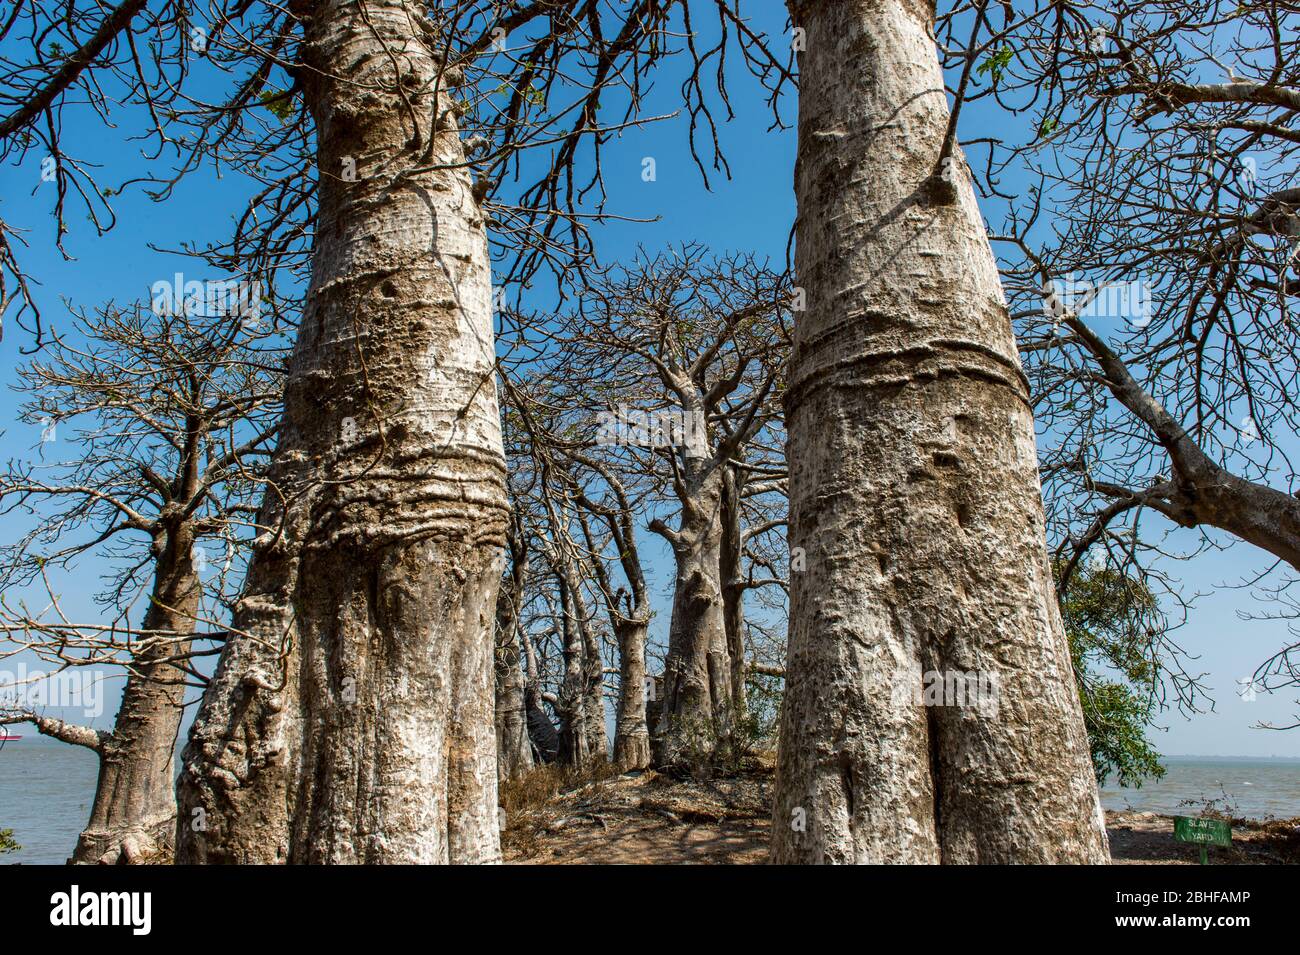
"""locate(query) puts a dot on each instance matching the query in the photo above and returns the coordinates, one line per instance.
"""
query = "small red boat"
(6, 736)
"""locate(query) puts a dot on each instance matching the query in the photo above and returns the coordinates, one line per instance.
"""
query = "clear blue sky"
(751, 212)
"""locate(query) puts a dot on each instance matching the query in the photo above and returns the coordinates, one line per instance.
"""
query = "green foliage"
(995, 64)
(701, 749)
(278, 103)
(706, 749)
(763, 710)
(530, 92)
(1113, 622)
(7, 841)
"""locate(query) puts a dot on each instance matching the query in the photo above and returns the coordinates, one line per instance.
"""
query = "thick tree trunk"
(629, 619)
(541, 731)
(240, 760)
(514, 750)
(390, 557)
(631, 734)
(582, 696)
(914, 495)
(574, 749)
(730, 568)
(134, 812)
(695, 716)
(593, 677)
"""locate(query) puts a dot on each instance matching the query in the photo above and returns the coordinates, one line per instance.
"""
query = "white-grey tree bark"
(628, 612)
(915, 510)
(696, 711)
(372, 739)
(514, 749)
(171, 428)
(571, 704)
(134, 810)
(731, 551)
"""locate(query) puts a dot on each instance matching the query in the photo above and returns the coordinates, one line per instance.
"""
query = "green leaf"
(279, 105)
(996, 63)
(1112, 622)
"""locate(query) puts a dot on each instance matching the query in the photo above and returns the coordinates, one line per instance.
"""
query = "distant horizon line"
(36, 735)
(1225, 756)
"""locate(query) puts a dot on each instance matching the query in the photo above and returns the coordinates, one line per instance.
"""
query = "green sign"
(1211, 832)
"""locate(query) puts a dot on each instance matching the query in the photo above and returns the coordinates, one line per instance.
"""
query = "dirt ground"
(646, 818)
(650, 819)
(1146, 838)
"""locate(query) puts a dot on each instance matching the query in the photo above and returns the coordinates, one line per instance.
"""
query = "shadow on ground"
(647, 818)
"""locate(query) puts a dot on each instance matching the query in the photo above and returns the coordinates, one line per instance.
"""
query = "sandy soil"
(647, 818)
(1146, 838)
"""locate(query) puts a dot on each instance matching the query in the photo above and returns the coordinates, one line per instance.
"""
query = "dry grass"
(525, 800)
(543, 783)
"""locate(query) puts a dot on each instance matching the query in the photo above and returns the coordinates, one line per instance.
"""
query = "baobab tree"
(603, 512)
(523, 687)
(915, 511)
(543, 486)
(680, 356)
(514, 746)
(606, 436)
(376, 590)
(381, 566)
(158, 427)
(414, 119)
(580, 701)
(627, 605)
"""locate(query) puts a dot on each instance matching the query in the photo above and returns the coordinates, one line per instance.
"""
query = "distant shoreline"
(1235, 759)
